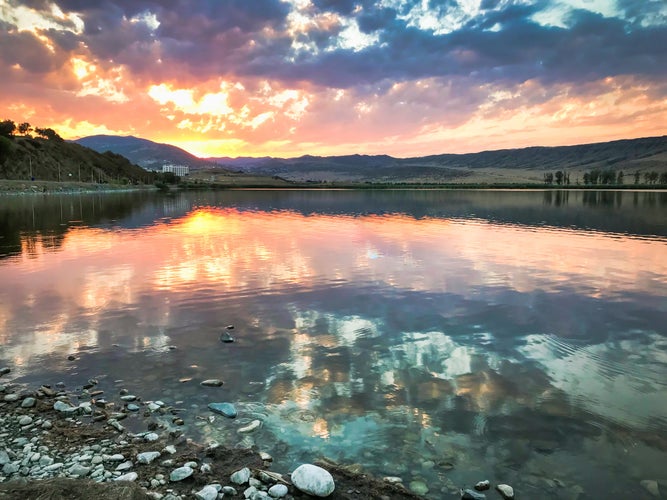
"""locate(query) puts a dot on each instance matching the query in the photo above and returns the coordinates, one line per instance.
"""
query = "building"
(179, 170)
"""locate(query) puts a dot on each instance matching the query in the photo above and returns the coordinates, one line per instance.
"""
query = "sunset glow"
(293, 77)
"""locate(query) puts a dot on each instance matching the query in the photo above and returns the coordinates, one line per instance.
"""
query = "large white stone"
(313, 480)
(506, 491)
(130, 476)
(207, 493)
(240, 476)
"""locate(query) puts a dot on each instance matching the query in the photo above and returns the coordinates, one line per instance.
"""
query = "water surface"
(440, 336)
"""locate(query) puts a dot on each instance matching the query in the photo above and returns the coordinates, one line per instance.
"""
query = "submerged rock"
(313, 480)
(212, 382)
(226, 338)
(226, 409)
(651, 486)
(506, 491)
(483, 485)
(255, 424)
(472, 495)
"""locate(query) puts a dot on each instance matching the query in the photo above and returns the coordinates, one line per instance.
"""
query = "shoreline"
(58, 441)
(20, 187)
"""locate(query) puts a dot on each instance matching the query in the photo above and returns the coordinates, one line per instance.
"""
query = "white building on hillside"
(179, 170)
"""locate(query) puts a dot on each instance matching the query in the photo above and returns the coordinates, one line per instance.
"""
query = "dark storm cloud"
(238, 37)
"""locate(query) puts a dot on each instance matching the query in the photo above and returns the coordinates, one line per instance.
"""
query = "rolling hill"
(26, 158)
(147, 154)
(510, 165)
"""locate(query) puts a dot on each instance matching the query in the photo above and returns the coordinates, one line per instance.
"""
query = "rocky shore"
(78, 443)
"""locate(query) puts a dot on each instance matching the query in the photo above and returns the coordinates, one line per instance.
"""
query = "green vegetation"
(47, 157)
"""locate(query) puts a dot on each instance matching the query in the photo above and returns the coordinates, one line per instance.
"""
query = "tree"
(663, 178)
(637, 176)
(594, 176)
(48, 133)
(7, 128)
(587, 178)
(559, 177)
(619, 177)
(24, 128)
(548, 178)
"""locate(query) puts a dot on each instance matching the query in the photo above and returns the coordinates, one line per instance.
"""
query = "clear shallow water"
(443, 336)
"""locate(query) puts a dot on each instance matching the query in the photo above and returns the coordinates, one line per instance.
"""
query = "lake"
(445, 337)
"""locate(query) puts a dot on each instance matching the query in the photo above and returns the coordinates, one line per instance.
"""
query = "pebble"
(130, 476)
(25, 420)
(4, 370)
(240, 476)
(4, 457)
(180, 474)
(278, 490)
(10, 398)
(483, 485)
(28, 403)
(127, 465)
(313, 480)
(226, 338)
(226, 409)
(147, 457)
(228, 491)
(79, 470)
(208, 492)
(472, 495)
(651, 486)
(255, 424)
(133, 407)
(151, 436)
(506, 491)
(418, 487)
(171, 449)
(212, 382)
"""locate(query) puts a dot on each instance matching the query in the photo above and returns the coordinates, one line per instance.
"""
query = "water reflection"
(410, 338)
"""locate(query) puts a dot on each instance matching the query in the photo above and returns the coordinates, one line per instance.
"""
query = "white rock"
(651, 486)
(127, 465)
(240, 476)
(180, 474)
(130, 476)
(147, 457)
(4, 457)
(278, 490)
(151, 436)
(313, 480)
(255, 424)
(171, 449)
(506, 491)
(207, 493)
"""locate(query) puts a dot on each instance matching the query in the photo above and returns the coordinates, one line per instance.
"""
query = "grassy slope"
(54, 160)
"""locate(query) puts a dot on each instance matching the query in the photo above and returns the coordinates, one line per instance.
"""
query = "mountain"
(147, 154)
(509, 165)
(24, 157)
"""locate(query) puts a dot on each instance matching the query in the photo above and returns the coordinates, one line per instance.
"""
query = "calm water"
(440, 336)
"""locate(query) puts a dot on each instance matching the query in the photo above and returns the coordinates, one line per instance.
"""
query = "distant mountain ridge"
(147, 154)
(528, 164)
(509, 165)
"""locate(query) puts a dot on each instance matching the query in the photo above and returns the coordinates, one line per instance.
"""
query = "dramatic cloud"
(289, 77)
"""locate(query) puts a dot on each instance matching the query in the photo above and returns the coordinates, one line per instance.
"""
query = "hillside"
(511, 165)
(147, 154)
(25, 158)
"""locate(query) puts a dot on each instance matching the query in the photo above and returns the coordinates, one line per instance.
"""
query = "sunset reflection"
(399, 331)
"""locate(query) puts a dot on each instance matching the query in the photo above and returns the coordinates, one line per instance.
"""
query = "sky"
(331, 77)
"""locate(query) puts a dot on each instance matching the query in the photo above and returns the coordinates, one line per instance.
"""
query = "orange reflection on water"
(218, 252)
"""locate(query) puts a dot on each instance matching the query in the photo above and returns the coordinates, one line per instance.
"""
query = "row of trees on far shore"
(606, 177)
